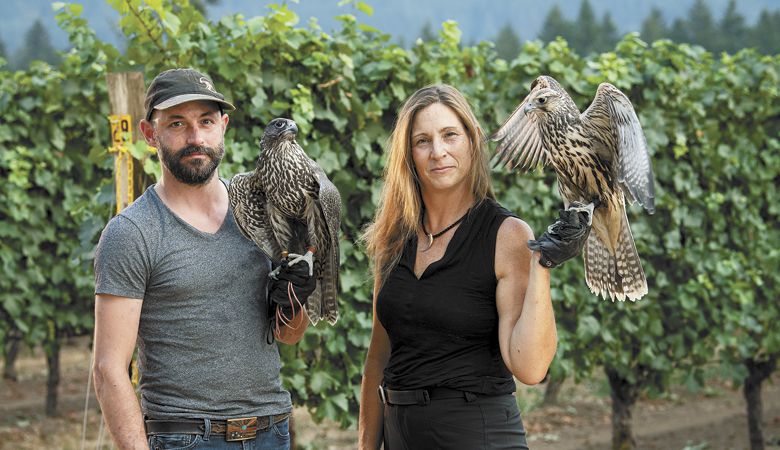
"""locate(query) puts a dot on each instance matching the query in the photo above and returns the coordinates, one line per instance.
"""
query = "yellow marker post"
(121, 132)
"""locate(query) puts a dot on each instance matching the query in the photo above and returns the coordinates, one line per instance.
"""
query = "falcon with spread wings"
(288, 205)
(599, 156)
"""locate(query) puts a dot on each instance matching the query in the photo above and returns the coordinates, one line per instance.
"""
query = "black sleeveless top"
(443, 328)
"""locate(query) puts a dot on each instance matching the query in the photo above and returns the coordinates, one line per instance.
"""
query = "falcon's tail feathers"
(323, 302)
(330, 289)
(618, 276)
(314, 305)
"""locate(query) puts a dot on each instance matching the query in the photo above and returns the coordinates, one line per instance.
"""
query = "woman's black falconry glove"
(566, 237)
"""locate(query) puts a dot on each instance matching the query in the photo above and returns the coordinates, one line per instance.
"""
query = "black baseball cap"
(176, 86)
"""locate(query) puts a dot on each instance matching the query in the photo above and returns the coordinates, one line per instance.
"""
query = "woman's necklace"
(432, 236)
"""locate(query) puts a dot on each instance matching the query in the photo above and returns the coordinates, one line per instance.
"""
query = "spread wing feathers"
(329, 205)
(618, 276)
(611, 109)
(520, 142)
(248, 203)
(520, 138)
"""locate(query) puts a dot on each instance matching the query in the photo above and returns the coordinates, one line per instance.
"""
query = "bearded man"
(174, 274)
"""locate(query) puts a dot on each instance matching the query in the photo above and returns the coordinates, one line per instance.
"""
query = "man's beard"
(194, 171)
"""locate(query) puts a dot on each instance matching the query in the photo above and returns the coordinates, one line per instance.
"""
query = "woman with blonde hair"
(460, 303)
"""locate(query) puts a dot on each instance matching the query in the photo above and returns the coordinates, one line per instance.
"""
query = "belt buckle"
(241, 429)
(382, 394)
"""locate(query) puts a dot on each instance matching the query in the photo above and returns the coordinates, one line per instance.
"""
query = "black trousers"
(473, 422)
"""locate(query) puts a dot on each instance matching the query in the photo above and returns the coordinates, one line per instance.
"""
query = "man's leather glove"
(566, 237)
(291, 288)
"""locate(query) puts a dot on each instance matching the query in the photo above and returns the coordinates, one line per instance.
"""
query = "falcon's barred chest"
(287, 179)
(582, 174)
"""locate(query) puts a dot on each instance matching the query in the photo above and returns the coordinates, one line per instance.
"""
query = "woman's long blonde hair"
(399, 212)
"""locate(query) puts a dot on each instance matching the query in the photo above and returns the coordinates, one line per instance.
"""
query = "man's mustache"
(195, 150)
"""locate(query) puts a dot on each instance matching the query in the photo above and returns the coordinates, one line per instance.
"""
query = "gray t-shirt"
(202, 350)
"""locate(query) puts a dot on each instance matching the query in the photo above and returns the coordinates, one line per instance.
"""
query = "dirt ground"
(683, 421)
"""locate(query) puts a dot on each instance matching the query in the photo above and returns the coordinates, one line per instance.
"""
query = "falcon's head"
(279, 130)
(545, 101)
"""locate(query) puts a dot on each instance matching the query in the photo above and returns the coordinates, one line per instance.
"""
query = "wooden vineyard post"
(126, 94)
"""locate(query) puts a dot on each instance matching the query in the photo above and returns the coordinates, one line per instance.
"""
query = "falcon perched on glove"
(289, 208)
(600, 158)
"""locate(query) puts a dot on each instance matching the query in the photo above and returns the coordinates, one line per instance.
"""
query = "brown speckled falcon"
(599, 156)
(288, 204)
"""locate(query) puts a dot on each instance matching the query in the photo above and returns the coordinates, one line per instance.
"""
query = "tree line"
(36, 47)
(37, 44)
(586, 33)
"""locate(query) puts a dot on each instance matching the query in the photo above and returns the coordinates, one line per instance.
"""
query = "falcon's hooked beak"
(528, 108)
(292, 128)
(290, 131)
(282, 129)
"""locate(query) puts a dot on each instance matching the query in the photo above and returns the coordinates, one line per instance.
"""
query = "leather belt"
(420, 396)
(239, 429)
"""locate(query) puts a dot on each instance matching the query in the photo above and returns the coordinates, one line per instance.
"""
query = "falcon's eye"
(542, 100)
(279, 124)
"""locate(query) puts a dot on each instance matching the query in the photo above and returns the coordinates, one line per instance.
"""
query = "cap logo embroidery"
(206, 83)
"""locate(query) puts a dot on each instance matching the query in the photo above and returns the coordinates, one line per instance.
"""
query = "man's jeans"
(277, 437)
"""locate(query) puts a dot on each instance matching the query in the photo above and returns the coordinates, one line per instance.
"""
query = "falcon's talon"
(308, 257)
(585, 208)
